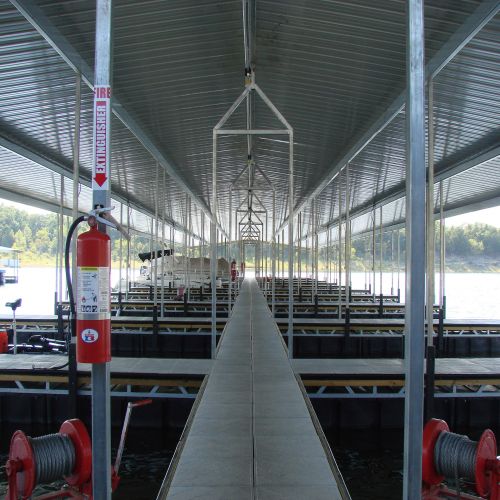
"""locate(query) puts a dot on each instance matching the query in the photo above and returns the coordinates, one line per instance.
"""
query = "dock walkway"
(251, 435)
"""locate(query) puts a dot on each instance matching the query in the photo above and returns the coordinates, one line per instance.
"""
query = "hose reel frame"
(485, 457)
(21, 465)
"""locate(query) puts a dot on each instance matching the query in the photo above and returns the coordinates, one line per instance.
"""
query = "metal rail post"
(162, 300)
(273, 263)
(72, 365)
(120, 255)
(290, 246)
(429, 385)
(230, 284)
(381, 252)
(392, 262)
(442, 247)
(202, 248)
(316, 249)
(127, 269)
(101, 401)
(340, 247)
(415, 255)
(299, 227)
(399, 263)
(327, 257)
(283, 256)
(155, 248)
(278, 252)
(374, 235)
(213, 245)
(347, 239)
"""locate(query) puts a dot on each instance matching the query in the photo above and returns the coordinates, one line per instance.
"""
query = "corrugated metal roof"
(331, 68)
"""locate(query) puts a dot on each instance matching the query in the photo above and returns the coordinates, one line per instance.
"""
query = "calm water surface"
(469, 295)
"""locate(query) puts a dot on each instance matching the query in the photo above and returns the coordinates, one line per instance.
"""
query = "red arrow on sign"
(100, 179)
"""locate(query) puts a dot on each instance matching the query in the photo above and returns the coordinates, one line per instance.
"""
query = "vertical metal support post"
(373, 252)
(155, 248)
(316, 249)
(283, 256)
(72, 366)
(127, 269)
(313, 253)
(120, 253)
(381, 252)
(399, 264)
(213, 246)
(162, 303)
(392, 262)
(290, 247)
(60, 241)
(299, 227)
(442, 247)
(306, 259)
(347, 240)
(202, 249)
(430, 215)
(230, 258)
(264, 253)
(273, 257)
(430, 364)
(415, 255)
(326, 255)
(101, 401)
(76, 164)
(340, 247)
(279, 257)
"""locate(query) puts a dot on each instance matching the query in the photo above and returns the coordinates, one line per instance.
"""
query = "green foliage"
(462, 243)
(37, 237)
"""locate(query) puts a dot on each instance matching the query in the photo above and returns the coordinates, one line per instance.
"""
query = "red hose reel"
(22, 470)
(484, 467)
(66, 455)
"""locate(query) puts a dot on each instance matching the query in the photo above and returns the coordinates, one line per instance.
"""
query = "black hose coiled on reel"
(455, 456)
(54, 457)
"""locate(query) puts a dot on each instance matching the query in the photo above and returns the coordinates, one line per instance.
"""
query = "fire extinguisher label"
(93, 298)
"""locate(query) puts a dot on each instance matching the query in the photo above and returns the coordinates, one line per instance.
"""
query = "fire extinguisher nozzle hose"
(67, 251)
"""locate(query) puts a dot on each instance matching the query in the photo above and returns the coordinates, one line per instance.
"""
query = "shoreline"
(463, 267)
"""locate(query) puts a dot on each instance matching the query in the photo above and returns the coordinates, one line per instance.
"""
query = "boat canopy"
(155, 254)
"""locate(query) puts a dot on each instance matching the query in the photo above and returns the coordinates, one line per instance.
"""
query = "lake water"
(468, 295)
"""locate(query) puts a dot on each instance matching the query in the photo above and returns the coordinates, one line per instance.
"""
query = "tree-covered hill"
(36, 235)
(469, 247)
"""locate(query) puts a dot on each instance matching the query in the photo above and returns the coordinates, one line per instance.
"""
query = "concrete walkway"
(252, 435)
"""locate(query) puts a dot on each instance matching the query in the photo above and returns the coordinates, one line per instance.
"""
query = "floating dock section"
(252, 433)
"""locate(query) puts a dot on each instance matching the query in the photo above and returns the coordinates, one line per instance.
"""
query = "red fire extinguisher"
(233, 270)
(93, 303)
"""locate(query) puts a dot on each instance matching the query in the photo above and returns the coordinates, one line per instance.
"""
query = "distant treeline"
(460, 242)
(37, 237)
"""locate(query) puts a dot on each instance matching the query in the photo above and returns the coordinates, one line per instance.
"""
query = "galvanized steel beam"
(415, 254)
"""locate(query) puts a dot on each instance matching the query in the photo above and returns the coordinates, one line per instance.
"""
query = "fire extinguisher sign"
(93, 298)
(102, 139)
